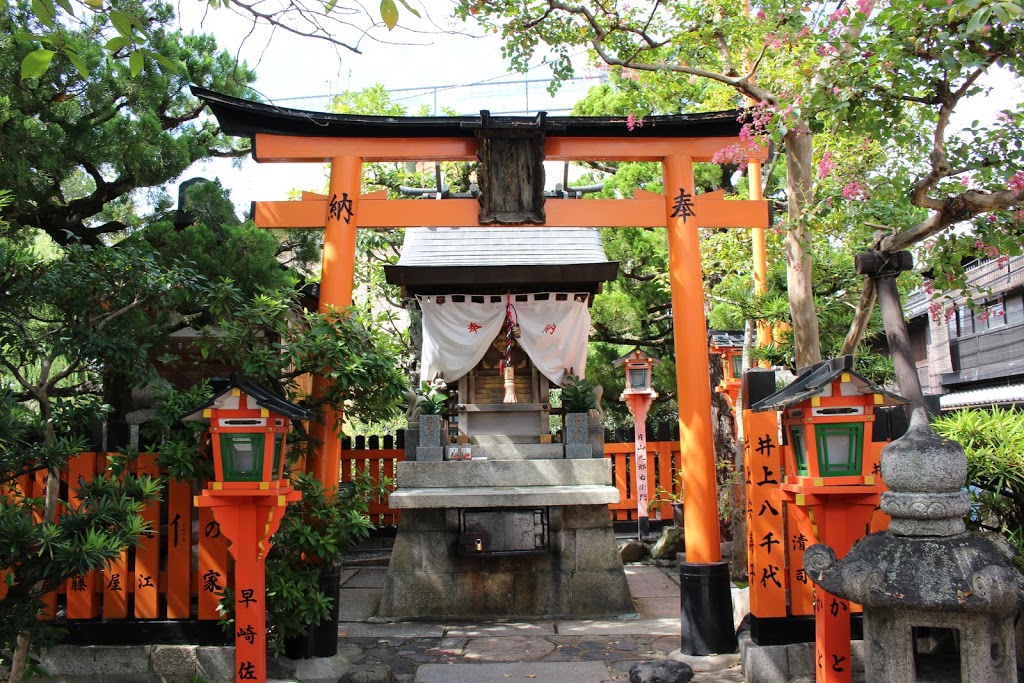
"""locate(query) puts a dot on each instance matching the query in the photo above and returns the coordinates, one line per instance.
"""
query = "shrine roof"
(247, 118)
(501, 246)
(469, 259)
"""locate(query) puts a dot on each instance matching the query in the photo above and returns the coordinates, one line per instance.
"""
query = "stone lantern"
(939, 601)
(638, 396)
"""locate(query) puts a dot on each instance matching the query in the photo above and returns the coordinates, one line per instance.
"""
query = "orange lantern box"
(248, 427)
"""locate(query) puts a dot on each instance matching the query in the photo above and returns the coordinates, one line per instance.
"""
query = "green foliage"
(76, 145)
(271, 340)
(663, 495)
(993, 440)
(217, 243)
(179, 441)
(64, 320)
(577, 395)
(431, 400)
(36, 557)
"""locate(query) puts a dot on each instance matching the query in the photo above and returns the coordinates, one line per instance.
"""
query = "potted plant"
(303, 566)
(577, 400)
(673, 497)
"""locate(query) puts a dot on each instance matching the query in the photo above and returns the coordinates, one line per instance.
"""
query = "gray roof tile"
(505, 246)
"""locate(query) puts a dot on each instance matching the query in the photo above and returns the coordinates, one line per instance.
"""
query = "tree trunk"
(19, 658)
(860, 318)
(117, 393)
(724, 434)
(799, 151)
(738, 569)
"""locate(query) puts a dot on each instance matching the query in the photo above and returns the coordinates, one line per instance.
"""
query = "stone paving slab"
(508, 649)
(357, 604)
(538, 672)
(666, 607)
(476, 630)
(366, 578)
(650, 582)
(390, 630)
(580, 627)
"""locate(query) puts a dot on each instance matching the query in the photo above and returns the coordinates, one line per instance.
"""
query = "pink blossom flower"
(826, 165)
(966, 181)
(990, 251)
(1017, 181)
(804, 32)
(730, 155)
(841, 13)
(835, 89)
(854, 190)
(761, 16)
(864, 6)
(632, 122)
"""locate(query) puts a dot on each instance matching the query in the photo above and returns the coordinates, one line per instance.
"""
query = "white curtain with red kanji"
(456, 334)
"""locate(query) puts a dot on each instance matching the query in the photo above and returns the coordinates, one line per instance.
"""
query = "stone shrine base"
(581, 575)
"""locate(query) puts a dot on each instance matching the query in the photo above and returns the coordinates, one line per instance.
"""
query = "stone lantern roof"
(817, 380)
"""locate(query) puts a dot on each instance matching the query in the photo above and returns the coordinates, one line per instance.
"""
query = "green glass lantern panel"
(278, 454)
(737, 367)
(242, 456)
(799, 445)
(839, 449)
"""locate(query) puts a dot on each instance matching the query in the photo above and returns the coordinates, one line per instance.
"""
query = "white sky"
(416, 54)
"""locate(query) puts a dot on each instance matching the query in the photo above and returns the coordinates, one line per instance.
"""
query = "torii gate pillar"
(336, 277)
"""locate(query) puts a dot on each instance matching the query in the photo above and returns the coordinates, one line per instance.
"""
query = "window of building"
(990, 315)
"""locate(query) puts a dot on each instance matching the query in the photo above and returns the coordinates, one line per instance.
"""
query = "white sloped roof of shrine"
(501, 246)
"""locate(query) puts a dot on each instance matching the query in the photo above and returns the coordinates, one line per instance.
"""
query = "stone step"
(492, 439)
(476, 473)
(501, 496)
(518, 451)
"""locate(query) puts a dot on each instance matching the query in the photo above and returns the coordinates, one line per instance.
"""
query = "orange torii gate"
(348, 141)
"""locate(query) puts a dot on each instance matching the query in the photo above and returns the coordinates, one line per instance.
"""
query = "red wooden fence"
(178, 571)
(175, 573)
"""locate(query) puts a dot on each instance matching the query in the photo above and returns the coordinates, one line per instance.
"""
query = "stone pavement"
(566, 651)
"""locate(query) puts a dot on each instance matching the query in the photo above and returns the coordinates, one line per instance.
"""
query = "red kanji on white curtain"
(553, 333)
